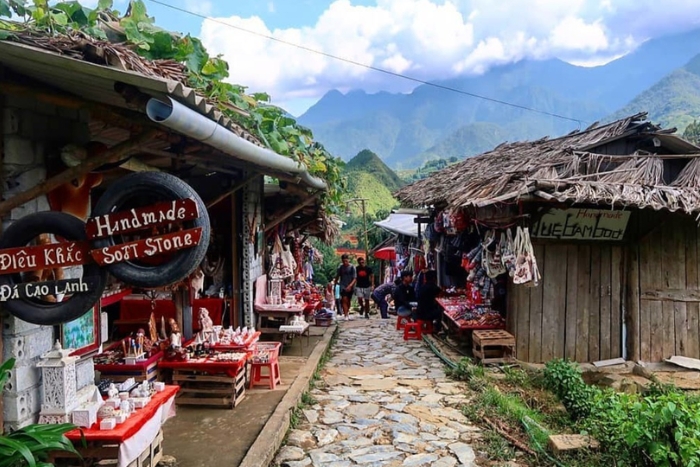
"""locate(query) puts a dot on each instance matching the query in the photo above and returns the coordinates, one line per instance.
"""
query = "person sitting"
(428, 308)
(404, 295)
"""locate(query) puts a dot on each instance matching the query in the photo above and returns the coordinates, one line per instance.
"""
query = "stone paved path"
(382, 401)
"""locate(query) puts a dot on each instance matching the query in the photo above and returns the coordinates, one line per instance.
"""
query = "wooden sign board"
(147, 248)
(133, 220)
(582, 224)
(44, 289)
(51, 256)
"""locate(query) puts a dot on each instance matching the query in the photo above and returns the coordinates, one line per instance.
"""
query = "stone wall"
(252, 263)
(32, 132)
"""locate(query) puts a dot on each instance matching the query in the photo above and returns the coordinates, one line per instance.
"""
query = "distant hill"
(674, 101)
(408, 129)
(370, 178)
(369, 162)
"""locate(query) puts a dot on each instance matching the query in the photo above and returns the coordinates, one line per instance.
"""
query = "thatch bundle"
(564, 170)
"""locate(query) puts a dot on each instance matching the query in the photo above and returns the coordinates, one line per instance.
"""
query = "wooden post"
(236, 283)
(112, 154)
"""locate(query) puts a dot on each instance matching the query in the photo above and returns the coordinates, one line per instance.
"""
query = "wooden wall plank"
(519, 296)
(535, 338)
(594, 313)
(692, 285)
(648, 269)
(605, 299)
(571, 301)
(675, 244)
(583, 310)
(617, 265)
(553, 302)
(633, 318)
(656, 322)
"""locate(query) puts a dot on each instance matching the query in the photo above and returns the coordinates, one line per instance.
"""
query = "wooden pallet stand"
(96, 453)
(493, 345)
(219, 389)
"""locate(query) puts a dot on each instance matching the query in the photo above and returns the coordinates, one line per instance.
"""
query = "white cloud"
(435, 39)
(201, 7)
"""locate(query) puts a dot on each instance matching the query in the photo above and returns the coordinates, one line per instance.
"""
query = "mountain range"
(662, 76)
(372, 180)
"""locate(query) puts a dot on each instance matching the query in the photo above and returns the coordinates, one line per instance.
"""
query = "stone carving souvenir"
(112, 391)
(175, 336)
(106, 411)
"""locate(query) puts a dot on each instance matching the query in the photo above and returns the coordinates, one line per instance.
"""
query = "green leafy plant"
(30, 446)
(564, 379)
(205, 73)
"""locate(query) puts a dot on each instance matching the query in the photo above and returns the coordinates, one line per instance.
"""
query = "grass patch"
(517, 415)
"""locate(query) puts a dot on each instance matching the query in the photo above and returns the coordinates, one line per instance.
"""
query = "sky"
(423, 39)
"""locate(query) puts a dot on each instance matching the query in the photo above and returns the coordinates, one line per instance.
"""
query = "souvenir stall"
(478, 260)
(286, 299)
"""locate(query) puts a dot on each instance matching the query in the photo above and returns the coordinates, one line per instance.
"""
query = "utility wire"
(369, 67)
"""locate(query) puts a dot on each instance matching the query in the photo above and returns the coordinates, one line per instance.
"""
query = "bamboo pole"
(233, 189)
(282, 217)
(112, 154)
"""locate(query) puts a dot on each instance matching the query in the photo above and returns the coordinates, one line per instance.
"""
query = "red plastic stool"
(401, 321)
(271, 378)
(426, 327)
(412, 331)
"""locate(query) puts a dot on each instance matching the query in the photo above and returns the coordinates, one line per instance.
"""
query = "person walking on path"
(346, 276)
(405, 295)
(364, 286)
(382, 401)
(379, 296)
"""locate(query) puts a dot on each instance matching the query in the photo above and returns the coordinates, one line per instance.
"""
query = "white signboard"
(582, 224)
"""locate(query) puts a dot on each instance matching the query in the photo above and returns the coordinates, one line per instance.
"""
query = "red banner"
(167, 212)
(51, 256)
(147, 248)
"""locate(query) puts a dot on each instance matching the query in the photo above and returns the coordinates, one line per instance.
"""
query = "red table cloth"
(132, 424)
(140, 309)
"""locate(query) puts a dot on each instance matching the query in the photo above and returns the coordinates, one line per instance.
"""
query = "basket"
(266, 352)
(324, 322)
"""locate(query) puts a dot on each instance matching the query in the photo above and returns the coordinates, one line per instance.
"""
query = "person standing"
(336, 295)
(379, 296)
(428, 308)
(364, 286)
(405, 295)
(346, 276)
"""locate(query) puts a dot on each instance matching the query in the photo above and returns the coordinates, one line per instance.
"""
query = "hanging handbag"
(508, 253)
(523, 265)
(532, 260)
(492, 255)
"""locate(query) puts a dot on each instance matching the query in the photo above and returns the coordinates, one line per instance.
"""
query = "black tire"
(35, 311)
(143, 189)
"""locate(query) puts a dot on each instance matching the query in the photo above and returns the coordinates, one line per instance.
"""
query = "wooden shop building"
(612, 212)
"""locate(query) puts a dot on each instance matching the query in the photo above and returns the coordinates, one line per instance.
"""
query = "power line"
(369, 67)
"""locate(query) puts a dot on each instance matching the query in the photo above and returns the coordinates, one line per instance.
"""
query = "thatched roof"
(572, 169)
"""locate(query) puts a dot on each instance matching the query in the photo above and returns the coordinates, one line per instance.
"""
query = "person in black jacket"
(428, 308)
(404, 295)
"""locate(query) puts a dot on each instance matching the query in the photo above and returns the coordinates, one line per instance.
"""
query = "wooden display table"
(271, 317)
(208, 382)
(135, 443)
(493, 346)
(118, 372)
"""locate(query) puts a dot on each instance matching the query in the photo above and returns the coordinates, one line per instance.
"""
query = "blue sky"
(425, 39)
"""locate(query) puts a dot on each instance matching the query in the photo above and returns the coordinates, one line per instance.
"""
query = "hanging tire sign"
(47, 276)
(149, 230)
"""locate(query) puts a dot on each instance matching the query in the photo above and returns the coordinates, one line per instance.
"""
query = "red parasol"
(387, 253)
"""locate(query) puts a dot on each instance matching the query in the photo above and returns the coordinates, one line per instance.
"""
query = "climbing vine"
(204, 73)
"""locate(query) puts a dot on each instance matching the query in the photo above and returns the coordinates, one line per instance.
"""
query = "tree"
(692, 132)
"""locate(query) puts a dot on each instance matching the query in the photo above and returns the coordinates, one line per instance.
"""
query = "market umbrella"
(387, 253)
